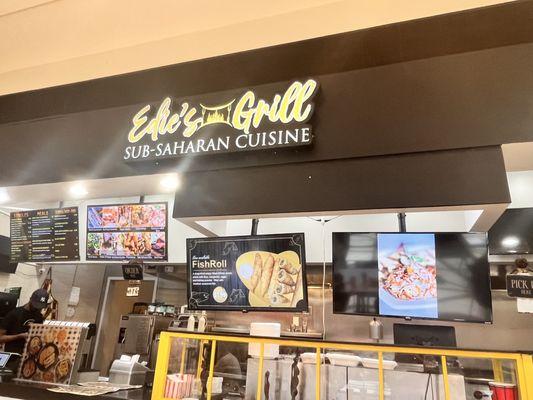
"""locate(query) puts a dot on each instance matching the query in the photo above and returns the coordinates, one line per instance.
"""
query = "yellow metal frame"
(523, 362)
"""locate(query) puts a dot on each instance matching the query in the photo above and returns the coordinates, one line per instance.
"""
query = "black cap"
(39, 299)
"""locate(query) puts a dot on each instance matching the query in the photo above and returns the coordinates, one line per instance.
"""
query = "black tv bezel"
(51, 261)
(250, 308)
(122, 260)
(408, 318)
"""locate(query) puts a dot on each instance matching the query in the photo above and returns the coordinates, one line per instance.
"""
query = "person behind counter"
(15, 326)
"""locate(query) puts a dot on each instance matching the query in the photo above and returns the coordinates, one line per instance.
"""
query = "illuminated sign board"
(250, 121)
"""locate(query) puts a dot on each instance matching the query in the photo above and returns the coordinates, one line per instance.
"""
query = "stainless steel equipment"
(139, 334)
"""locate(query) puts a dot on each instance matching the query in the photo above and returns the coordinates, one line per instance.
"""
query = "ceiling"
(48, 43)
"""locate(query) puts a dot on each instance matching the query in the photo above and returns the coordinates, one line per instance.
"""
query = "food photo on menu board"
(264, 272)
(127, 231)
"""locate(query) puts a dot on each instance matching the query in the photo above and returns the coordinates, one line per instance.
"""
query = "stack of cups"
(503, 391)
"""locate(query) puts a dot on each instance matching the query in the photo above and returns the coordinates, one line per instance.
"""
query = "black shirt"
(18, 321)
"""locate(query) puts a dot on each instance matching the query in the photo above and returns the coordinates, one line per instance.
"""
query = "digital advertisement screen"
(441, 276)
(264, 272)
(127, 231)
(45, 235)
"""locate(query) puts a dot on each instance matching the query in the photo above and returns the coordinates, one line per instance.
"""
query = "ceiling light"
(510, 241)
(4, 196)
(78, 190)
(170, 182)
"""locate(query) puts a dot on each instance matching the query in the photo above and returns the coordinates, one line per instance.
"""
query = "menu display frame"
(53, 259)
(91, 258)
(304, 307)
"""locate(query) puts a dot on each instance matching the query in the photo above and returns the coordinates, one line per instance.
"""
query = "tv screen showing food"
(265, 272)
(442, 276)
(127, 231)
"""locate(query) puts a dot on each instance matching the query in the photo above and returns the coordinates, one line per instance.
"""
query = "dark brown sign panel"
(520, 285)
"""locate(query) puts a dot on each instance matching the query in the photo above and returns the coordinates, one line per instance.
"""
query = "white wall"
(317, 237)
(521, 188)
(89, 277)
(177, 232)
(520, 183)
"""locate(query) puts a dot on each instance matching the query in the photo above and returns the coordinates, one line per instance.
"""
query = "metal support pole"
(255, 224)
(401, 222)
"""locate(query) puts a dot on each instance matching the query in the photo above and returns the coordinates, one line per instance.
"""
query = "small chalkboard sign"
(132, 272)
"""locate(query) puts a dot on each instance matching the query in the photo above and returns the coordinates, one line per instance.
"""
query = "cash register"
(6, 373)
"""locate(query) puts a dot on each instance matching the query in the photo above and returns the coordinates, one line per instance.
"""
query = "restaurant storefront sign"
(245, 122)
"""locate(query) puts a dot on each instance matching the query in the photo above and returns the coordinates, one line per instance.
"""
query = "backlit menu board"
(127, 231)
(45, 235)
(259, 273)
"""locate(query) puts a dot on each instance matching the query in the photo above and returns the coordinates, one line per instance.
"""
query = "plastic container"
(343, 360)
(202, 322)
(503, 391)
(374, 363)
(191, 323)
(310, 358)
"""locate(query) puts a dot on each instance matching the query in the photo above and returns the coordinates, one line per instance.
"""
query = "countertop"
(25, 391)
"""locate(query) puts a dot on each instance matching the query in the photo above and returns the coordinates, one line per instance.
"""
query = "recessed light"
(170, 182)
(510, 241)
(78, 190)
(4, 196)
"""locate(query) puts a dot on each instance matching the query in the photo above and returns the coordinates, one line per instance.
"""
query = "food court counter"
(28, 391)
(245, 367)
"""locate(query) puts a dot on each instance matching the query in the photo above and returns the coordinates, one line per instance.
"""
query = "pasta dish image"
(407, 275)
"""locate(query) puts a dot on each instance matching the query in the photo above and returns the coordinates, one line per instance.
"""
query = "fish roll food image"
(258, 265)
(283, 289)
(287, 266)
(266, 276)
(286, 278)
(278, 299)
(272, 280)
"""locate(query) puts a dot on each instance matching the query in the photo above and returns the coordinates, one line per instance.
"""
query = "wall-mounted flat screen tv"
(247, 273)
(47, 235)
(442, 276)
(127, 231)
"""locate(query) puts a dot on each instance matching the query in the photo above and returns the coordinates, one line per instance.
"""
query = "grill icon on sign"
(217, 114)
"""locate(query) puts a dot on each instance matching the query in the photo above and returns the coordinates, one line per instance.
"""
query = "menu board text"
(45, 235)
